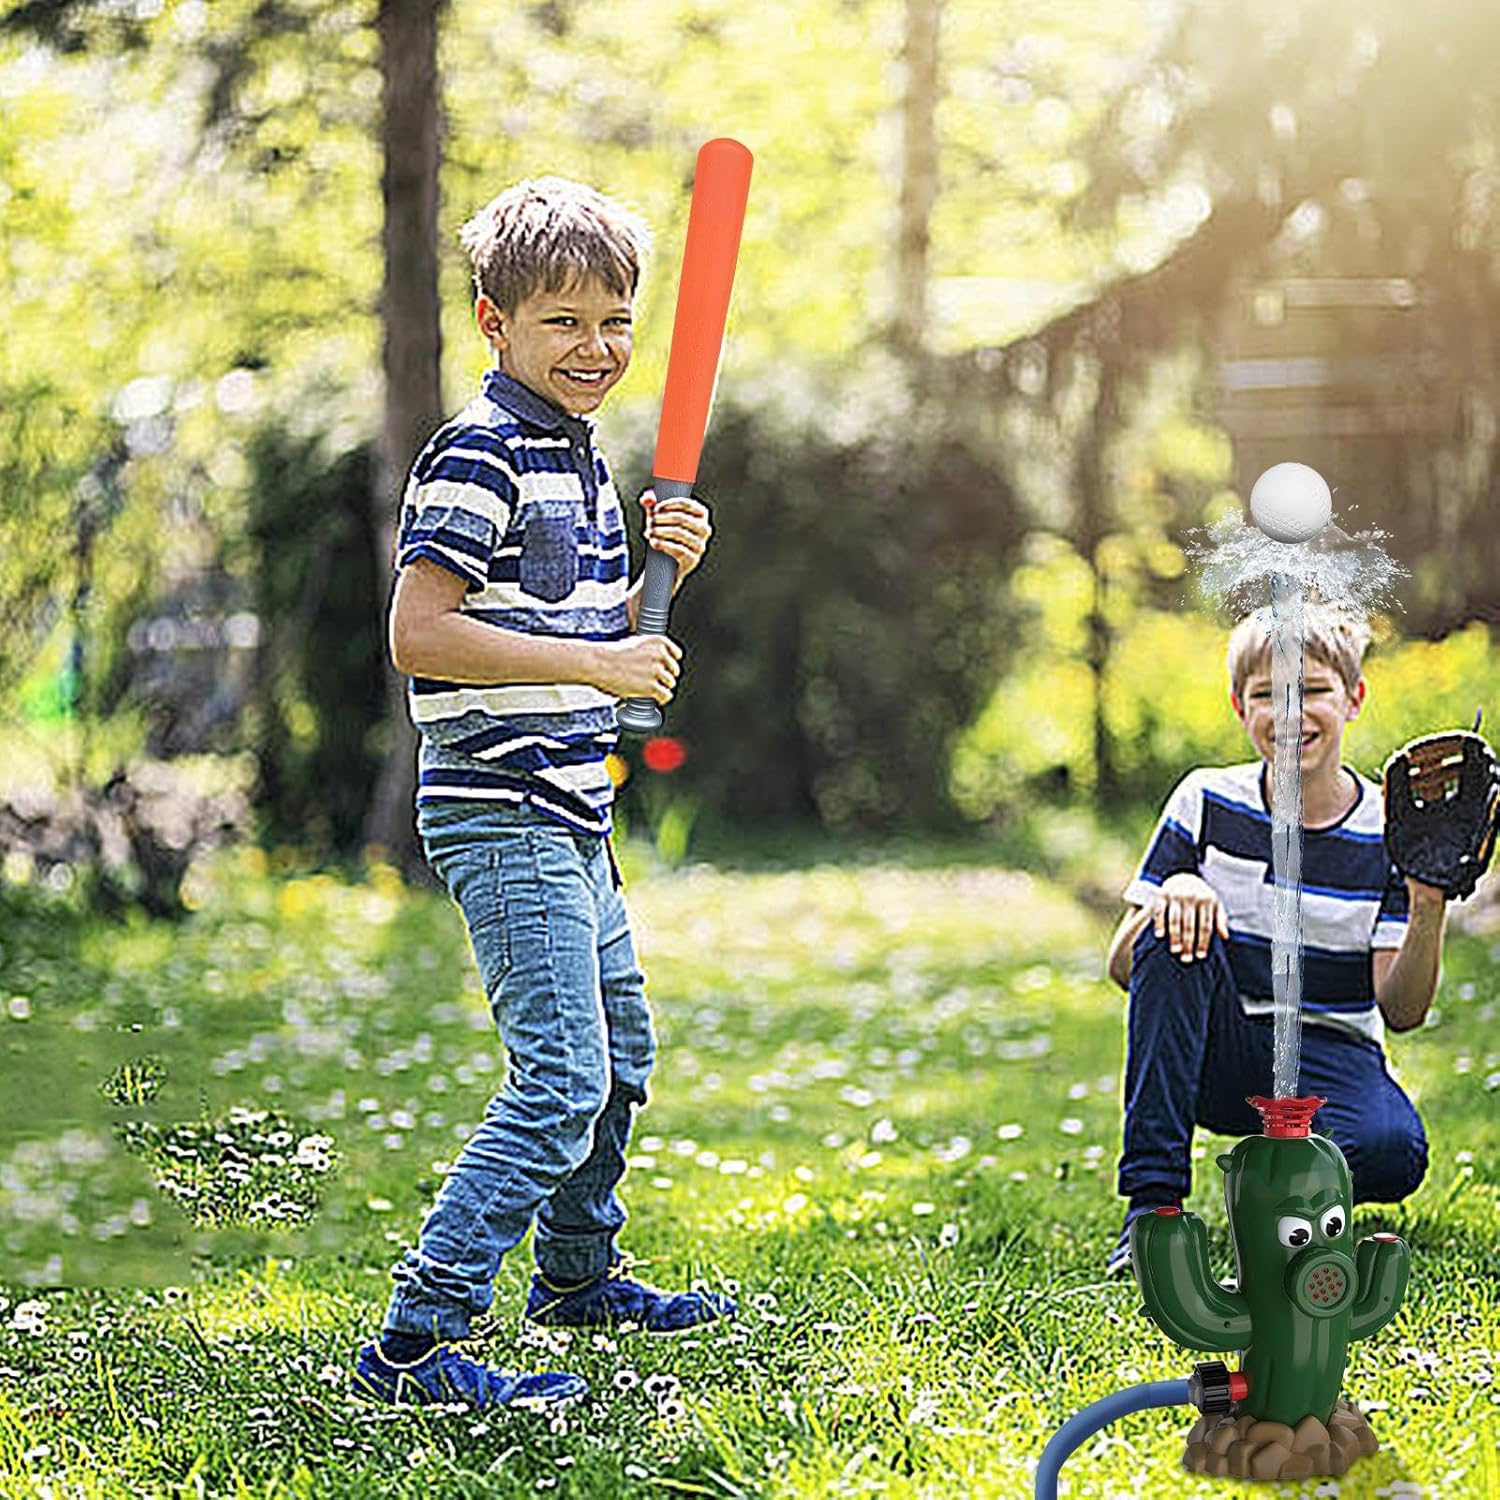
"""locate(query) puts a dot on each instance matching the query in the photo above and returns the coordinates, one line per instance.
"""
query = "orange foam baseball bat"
(721, 188)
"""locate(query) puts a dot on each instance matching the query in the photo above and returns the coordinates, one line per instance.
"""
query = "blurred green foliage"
(850, 617)
(1166, 705)
(939, 587)
(318, 703)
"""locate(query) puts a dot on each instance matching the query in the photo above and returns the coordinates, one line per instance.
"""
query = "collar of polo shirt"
(504, 390)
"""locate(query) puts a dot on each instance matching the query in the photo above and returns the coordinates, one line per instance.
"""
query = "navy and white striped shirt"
(513, 497)
(1217, 825)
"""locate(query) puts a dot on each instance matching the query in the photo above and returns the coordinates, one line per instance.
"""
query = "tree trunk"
(411, 361)
(919, 174)
(1091, 526)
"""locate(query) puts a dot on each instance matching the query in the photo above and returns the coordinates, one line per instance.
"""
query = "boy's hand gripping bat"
(721, 186)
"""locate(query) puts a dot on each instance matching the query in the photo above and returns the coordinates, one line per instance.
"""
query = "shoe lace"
(483, 1330)
(623, 1265)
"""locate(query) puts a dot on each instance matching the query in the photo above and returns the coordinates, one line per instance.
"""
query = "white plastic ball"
(1291, 503)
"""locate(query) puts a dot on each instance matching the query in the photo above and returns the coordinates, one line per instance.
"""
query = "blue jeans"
(552, 941)
(1193, 1057)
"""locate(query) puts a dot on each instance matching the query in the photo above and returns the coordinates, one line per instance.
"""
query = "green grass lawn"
(886, 1110)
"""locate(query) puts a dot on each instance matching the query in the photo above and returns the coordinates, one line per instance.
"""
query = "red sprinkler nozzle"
(1287, 1119)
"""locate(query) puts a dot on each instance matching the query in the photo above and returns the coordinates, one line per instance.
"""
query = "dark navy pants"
(1193, 1057)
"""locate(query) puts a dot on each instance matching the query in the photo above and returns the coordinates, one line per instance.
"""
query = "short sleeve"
(1173, 849)
(458, 505)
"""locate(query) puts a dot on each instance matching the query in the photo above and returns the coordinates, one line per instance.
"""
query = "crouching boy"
(1194, 951)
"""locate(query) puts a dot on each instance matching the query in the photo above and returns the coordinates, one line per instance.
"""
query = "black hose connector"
(1209, 1389)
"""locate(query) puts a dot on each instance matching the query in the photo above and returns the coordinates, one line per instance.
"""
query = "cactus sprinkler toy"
(1304, 1293)
(1301, 1298)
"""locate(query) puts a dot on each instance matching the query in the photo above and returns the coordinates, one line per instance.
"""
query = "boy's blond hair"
(1332, 636)
(547, 232)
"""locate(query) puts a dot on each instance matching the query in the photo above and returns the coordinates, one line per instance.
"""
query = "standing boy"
(513, 619)
(1195, 952)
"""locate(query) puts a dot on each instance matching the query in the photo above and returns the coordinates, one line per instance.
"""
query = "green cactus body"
(1304, 1290)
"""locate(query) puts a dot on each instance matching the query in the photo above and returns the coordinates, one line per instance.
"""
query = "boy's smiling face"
(569, 346)
(1327, 707)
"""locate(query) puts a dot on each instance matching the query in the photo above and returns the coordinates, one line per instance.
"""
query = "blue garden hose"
(1078, 1429)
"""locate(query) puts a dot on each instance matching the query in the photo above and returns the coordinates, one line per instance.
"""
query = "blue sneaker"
(1118, 1263)
(613, 1298)
(443, 1375)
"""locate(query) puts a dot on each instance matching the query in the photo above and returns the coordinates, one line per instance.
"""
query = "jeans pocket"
(549, 550)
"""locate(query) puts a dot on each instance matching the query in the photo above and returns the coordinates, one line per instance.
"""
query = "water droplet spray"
(1294, 551)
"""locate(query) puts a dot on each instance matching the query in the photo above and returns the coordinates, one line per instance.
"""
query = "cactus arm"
(1382, 1265)
(1170, 1254)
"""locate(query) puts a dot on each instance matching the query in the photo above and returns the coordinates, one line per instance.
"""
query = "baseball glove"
(1442, 799)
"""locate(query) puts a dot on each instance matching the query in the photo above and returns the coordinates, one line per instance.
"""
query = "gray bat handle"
(642, 715)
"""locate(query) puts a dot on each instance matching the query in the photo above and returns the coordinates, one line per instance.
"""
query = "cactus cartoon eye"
(1293, 1232)
(1332, 1222)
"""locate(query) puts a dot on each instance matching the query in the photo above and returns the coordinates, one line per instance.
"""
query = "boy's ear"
(1357, 699)
(1236, 705)
(488, 316)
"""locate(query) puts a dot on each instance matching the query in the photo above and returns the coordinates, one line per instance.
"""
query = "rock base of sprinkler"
(1229, 1447)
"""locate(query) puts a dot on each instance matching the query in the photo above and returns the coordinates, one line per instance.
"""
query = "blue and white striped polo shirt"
(1217, 824)
(513, 497)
